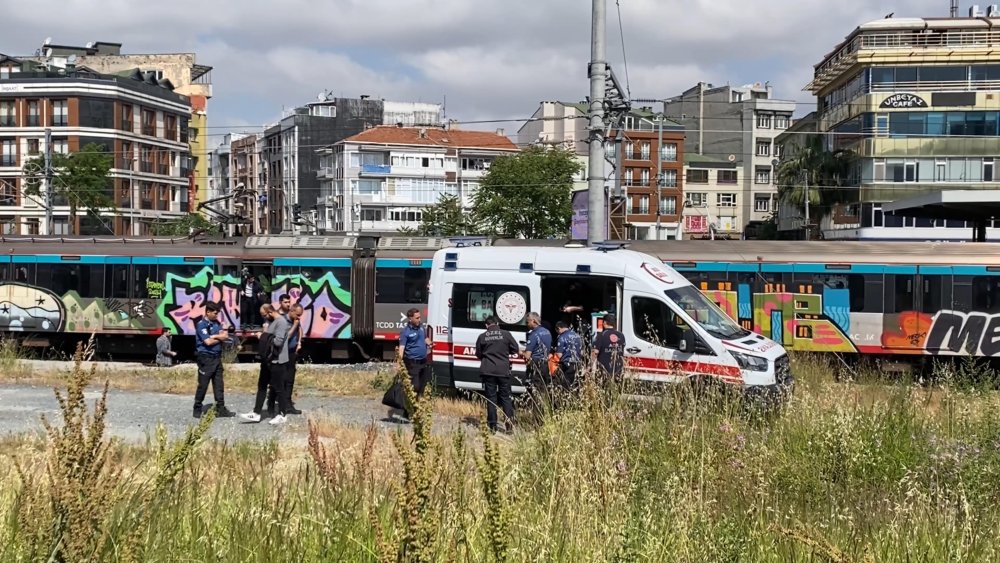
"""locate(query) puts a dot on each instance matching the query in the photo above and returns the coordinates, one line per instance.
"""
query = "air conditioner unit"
(994, 11)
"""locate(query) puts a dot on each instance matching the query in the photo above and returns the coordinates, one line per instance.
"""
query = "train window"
(315, 274)
(145, 284)
(986, 294)
(473, 303)
(116, 281)
(902, 288)
(853, 283)
(73, 277)
(401, 285)
(23, 273)
(936, 292)
(178, 270)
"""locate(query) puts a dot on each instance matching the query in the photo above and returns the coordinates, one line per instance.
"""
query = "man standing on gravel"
(494, 349)
(413, 344)
(209, 336)
(294, 317)
(273, 366)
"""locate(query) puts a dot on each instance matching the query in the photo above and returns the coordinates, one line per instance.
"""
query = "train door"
(936, 285)
(322, 286)
(18, 293)
(6, 280)
(249, 305)
(400, 285)
(117, 293)
(905, 329)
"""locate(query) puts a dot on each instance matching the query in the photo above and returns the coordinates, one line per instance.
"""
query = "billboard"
(578, 226)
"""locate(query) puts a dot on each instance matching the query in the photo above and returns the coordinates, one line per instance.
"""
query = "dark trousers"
(568, 374)
(498, 391)
(248, 311)
(209, 369)
(289, 382)
(538, 375)
(418, 372)
(272, 375)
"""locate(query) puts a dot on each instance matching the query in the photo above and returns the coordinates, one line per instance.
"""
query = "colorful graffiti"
(326, 305)
(185, 297)
(800, 320)
(947, 332)
(26, 308)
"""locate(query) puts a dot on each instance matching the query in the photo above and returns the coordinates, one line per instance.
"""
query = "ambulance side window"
(654, 322)
(473, 303)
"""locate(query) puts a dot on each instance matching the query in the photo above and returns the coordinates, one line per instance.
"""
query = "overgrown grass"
(846, 472)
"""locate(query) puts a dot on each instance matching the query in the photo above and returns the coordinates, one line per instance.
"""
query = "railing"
(946, 86)
(909, 39)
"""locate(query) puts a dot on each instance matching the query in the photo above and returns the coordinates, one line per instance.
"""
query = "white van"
(672, 331)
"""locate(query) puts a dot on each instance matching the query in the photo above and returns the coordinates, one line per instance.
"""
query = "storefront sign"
(902, 101)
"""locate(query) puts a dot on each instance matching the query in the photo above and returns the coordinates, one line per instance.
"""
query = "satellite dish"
(90, 44)
(71, 59)
(732, 158)
(321, 96)
(48, 40)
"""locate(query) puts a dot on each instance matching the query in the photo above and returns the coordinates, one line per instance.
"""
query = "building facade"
(247, 173)
(737, 124)
(138, 118)
(380, 179)
(918, 101)
(711, 198)
(180, 70)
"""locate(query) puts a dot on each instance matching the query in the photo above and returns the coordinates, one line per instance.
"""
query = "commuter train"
(906, 300)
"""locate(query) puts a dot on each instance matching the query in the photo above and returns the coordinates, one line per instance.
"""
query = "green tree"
(826, 174)
(81, 178)
(527, 195)
(182, 227)
(446, 218)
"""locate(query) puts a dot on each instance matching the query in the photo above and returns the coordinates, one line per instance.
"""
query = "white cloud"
(490, 58)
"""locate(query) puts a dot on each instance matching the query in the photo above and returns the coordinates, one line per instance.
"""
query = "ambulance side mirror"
(691, 344)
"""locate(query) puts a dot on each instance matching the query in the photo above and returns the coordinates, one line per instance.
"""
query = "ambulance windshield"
(706, 313)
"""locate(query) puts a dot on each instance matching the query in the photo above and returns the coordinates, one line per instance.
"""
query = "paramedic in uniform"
(609, 350)
(536, 353)
(494, 349)
(413, 344)
(569, 347)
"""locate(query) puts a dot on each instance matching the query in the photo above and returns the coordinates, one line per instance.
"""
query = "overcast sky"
(489, 59)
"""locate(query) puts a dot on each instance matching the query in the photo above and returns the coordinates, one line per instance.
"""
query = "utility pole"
(598, 76)
(48, 181)
(805, 181)
(659, 177)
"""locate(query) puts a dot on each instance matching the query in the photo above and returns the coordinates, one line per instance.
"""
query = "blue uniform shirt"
(204, 330)
(539, 343)
(293, 338)
(413, 341)
(570, 347)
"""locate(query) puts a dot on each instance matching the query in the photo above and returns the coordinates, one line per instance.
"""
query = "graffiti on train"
(949, 332)
(326, 306)
(814, 318)
(26, 308)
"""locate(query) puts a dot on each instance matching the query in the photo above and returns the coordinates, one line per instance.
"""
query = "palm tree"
(823, 174)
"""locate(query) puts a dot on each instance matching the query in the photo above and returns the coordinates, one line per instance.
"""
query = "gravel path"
(133, 415)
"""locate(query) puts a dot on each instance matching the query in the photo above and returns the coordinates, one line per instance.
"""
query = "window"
(60, 113)
(401, 285)
(8, 154)
(641, 205)
(372, 214)
(8, 226)
(149, 123)
(32, 226)
(473, 303)
(629, 149)
(726, 177)
(170, 127)
(987, 169)
(405, 215)
(654, 322)
(762, 176)
(697, 199)
(669, 178)
(644, 150)
(910, 172)
(33, 146)
(763, 148)
(644, 177)
(116, 281)
(60, 146)
(8, 191)
(629, 176)
(127, 123)
(986, 294)
(8, 114)
(725, 200)
(940, 171)
(778, 150)
(34, 115)
(668, 152)
(668, 205)
(697, 176)
(761, 203)
(780, 122)
(903, 293)
(764, 120)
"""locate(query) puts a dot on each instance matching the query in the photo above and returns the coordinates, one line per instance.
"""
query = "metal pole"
(598, 76)
(48, 181)
(659, 182)
(806, 181)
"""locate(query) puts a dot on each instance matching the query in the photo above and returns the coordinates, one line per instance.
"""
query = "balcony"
(376, 169)
(932, 146)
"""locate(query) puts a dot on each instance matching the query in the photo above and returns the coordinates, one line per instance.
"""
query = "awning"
(977, 206)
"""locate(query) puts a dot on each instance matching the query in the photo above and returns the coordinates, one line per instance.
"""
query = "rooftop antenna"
(954, 8)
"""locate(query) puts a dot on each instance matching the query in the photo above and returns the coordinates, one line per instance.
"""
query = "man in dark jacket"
(494, 349)
(609, 350)
(569, 348)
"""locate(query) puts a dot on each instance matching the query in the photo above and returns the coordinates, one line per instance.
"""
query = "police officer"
(413, 344)
(536, 352)
(494, 349)
(209, 336)
(569, 348)
(609, 350)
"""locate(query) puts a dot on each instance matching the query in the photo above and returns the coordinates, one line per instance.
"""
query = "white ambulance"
(672, 331)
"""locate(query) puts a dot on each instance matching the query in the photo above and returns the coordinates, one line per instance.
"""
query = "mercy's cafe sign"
(903, 101)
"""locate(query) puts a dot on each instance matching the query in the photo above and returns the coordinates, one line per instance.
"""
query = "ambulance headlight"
(748, 362)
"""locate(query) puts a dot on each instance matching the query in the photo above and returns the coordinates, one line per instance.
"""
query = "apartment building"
(712, 198)
(380, 179)
(138, 118)
(247, 171)
(918, 101)
(737, 124)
